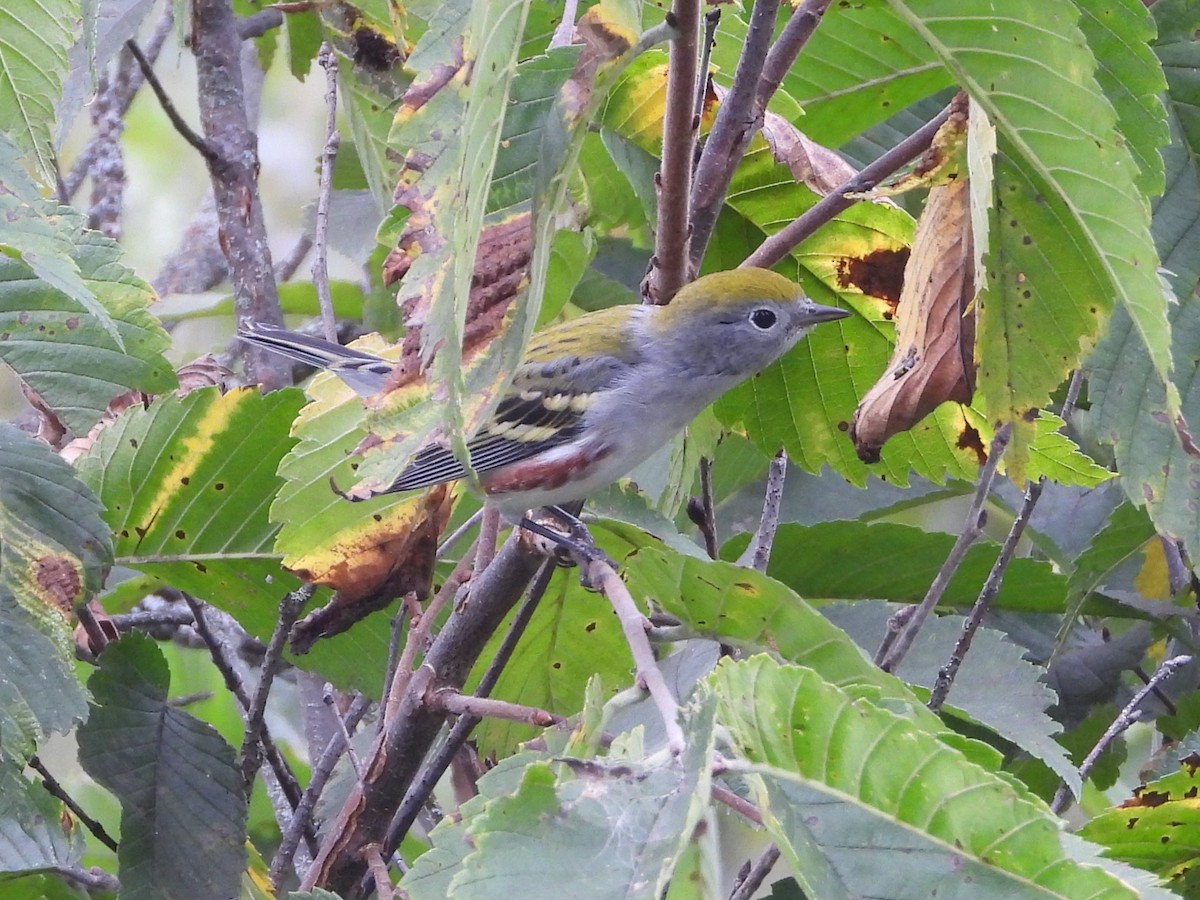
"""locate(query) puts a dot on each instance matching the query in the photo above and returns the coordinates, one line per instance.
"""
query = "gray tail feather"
(301, 347)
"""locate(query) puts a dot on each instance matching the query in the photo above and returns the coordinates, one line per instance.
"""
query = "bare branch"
(604, 578)
(669, 265)
(185, 130)
(433, 769)
(1119, 726)
(778, 245)
(757, 874)
(702, 510)
(233, 170)
(783, 53)
(289, 610)
(457, 703)
(302, 818)
(123, 89)
(93, 879)
(333, 140)
(758, 553)
(54, 789)
(889, 660)
(983, 603)
(738, 120)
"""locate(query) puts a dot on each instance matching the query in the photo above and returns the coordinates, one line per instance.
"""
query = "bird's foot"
(575, 544)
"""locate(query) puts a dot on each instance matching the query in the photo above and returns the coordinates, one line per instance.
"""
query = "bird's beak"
(815, 314)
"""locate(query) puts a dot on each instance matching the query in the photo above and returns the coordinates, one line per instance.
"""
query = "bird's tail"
(364, 372)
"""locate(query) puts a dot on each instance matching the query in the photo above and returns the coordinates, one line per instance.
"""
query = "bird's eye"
(763, 318)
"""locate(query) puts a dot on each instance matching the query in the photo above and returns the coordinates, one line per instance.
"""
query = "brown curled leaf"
(368, 569)
(934, 356)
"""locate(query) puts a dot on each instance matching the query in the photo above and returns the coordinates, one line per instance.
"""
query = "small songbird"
(598, 394)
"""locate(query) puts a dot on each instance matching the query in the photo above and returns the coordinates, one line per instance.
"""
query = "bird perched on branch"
(598, 394)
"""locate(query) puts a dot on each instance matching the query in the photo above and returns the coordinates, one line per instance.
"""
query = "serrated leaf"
(33, 61)
(31, 826)
(995, 684)
(175, 776)
(863, 561)
(841, 769)
(1057, 132)
(54, 546)
(1120, 33)
(1158, 829)
(188, 484)
(39, 693)
(76, 353)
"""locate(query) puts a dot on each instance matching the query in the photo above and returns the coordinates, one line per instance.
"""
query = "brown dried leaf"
(934, 356)
(374, 568)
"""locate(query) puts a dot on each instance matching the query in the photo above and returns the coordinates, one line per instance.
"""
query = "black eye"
(763, 318)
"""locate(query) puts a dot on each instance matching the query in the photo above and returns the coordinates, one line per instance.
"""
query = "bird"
(596, 395)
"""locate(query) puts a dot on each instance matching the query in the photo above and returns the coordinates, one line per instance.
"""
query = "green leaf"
(1055, 456)
(80, 337)
(861, 66)
(31, 826)
(188, 483)
(833, 769)
(1157, 829)
(183, 814)
(33, 61)
(861, 561)
(54, 547)
(1125, 535)
(39, 692)
(1120, 33)
(996, 686)
(1056, 133)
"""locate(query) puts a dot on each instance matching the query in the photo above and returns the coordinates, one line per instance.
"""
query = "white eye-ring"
(763, 319)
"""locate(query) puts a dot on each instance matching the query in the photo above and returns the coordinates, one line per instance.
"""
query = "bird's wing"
(534, 415)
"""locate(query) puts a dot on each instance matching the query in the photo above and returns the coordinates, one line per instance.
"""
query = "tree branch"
(778, 245)
(54, 789)
(233, 170)
(758, 553)
(1119, 726)
(747, 887)
(891, 658)
(333, 140)
(669, 266)
(738, 120)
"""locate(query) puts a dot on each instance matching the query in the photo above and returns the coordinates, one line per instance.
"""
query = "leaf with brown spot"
(934, 356)
(1164, 834)
(388, 558)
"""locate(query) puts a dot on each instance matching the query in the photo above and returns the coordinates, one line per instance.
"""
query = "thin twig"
(669, 265)
(433, 769)
(151, 618)
(991, 587)
(379, 872)
(736, 123)
(748, 886)
(330, 698)
(164, 100)
(564, 34)
(286, 267)
(783, 53)
(712, 19)
(288, 784)
(758, 553)
(93, 879)
(302, 818)
(489, 530)
(973, 527)
(702, 509)
(418, 636)
(722, 794)
(457, 703)
(125, 88)
(778, 245)
(449, 542)
(604, 578)
(289, 611)
(1121, 724)
(57, 790)
(333, 140)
